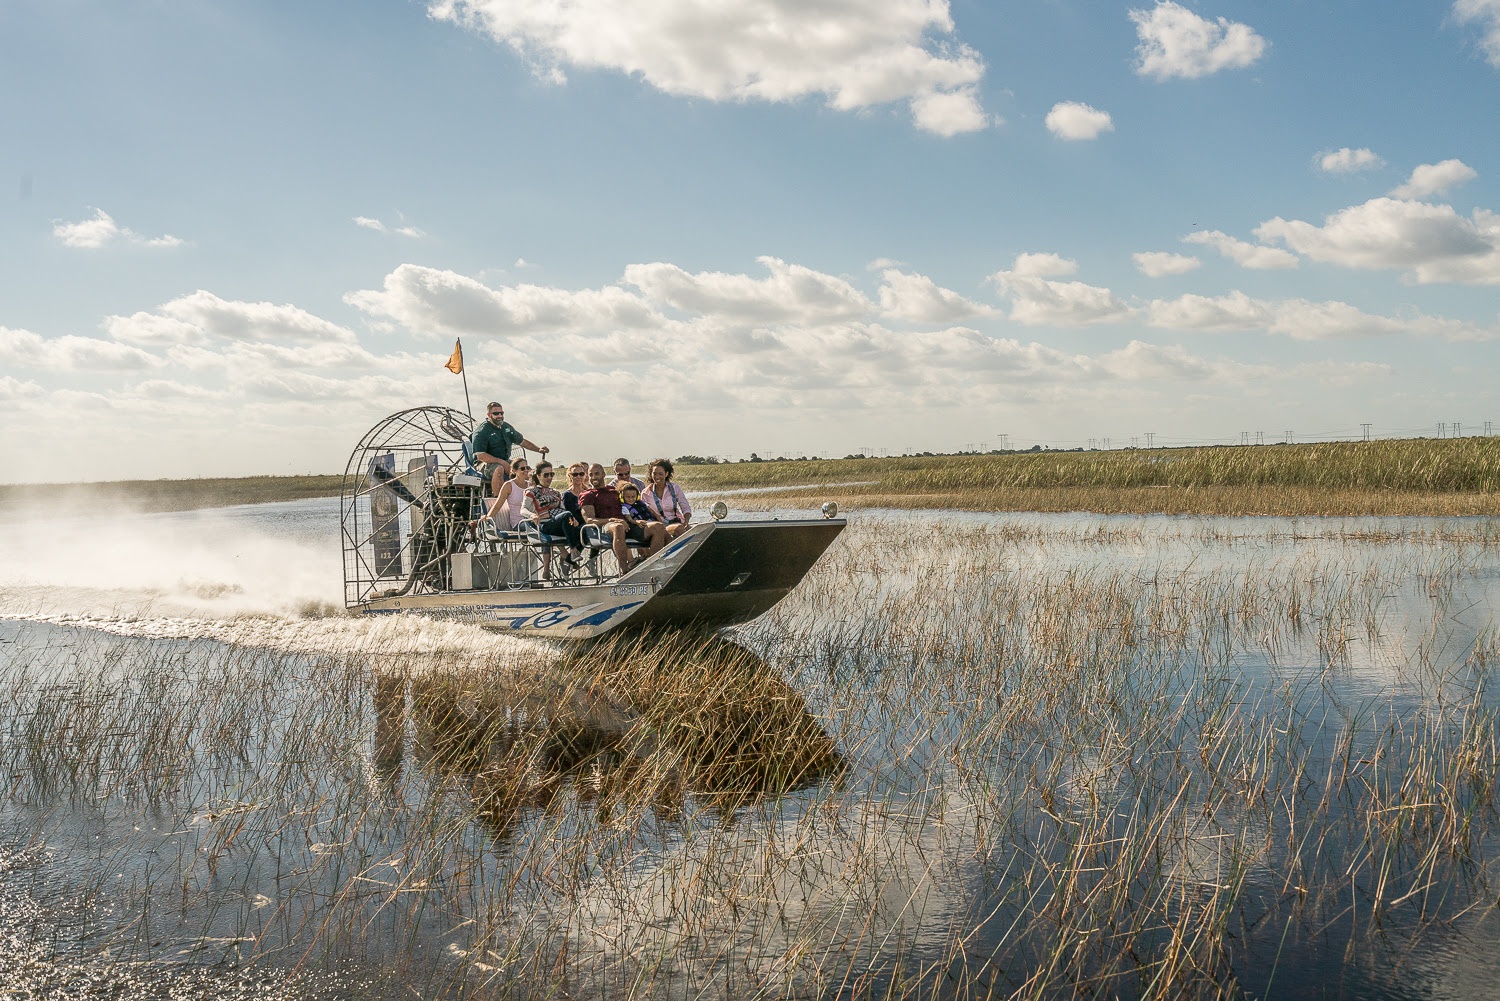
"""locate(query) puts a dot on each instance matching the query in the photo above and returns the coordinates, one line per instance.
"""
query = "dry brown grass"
(168, 495)
(1414, 477)
(1228, 501)
(1015, 763)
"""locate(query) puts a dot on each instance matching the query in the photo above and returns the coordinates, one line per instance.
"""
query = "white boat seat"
(531, 535)
(489, 530)
(593, 538)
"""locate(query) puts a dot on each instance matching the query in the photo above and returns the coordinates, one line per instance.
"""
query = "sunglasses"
(547, 476)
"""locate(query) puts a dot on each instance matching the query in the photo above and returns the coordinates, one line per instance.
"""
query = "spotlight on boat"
(830, 509)
(720, 511)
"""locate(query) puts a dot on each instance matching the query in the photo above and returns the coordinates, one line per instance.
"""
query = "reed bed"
(1440, 477)
(166, 495)
(1012, 762)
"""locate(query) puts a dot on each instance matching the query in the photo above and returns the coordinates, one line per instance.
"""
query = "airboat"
(414, 541)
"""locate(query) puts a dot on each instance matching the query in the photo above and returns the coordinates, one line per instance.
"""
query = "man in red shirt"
(601, 506)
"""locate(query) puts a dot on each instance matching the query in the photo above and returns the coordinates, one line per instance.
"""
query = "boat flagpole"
(456, 366)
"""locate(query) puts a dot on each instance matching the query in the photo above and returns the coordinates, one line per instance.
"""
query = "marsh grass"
(1016, 762)
(1445, 477)
(1435, 477)
(166, 495)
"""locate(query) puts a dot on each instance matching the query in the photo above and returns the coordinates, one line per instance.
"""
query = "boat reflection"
(664, 723)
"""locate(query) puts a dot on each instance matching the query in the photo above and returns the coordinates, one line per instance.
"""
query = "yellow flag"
(456, 363)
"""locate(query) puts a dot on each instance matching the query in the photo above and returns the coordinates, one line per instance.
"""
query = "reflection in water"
(685, 716)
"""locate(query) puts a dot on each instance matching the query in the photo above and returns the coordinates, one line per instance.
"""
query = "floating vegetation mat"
(968, 757)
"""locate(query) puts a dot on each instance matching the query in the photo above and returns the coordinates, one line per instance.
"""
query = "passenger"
(637, 515)
(505, 509)
(601, 506)
(578, 485)
(666, 499)
(545, 506)
(492, 442)
(622, 475)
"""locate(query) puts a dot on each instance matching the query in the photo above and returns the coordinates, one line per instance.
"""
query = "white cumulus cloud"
(1246, 255)
(1485, 14)
(1433, 242)
(1349, 161)
(1044, 265)
(1160, 264)
(24, 349)
(367, 222)
(791, 292)
(1037, 301)
(1075, 121)
(918, 299)
(196, 318)
(1434, 179)
(101, 230)
(854, 53)
(1175, 42)
(1301, 319)
(430, 301)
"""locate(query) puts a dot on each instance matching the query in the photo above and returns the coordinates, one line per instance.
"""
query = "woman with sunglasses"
(505, 509)
(545, 506)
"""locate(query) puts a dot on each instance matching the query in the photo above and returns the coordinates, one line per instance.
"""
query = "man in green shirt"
(492, 441)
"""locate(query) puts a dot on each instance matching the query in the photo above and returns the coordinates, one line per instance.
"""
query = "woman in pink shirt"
(666, 499)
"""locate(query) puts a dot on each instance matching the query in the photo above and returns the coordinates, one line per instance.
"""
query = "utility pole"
(1150, 439)
(1458, 430)
(1366, 429)
(1005, 443)
(1489, 428)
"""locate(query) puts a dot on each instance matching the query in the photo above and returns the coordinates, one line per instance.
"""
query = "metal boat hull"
(716, 574)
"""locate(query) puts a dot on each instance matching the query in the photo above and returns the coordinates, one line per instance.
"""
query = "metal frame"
(401, 510)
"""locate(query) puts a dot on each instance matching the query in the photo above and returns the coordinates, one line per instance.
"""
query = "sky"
(235, 235)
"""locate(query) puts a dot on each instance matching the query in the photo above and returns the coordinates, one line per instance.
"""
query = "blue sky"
(237, 234)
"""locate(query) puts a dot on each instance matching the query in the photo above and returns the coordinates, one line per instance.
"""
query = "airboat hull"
(716, 574)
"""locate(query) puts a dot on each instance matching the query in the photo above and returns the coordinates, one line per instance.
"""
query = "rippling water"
(103, 883)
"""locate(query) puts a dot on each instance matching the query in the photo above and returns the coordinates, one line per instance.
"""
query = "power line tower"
(1489, 428)
(1150, 439)
(1260, 437)
(1106, 444)
(1005, 443)
(1244, 437)
(1458, 430)
(1093, 443)
(1135, 441)
(1366, 429)
(1289, 437)
(1442, 429)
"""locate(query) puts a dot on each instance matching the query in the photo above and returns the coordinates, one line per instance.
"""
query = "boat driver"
(492, 442)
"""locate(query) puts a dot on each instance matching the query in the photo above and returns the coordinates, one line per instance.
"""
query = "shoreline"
(1455, 477)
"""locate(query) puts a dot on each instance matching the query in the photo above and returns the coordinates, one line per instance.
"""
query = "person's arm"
(528, 506)
(527, 443)
(684, 509)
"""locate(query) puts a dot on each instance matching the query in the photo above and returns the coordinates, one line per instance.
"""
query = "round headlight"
(830, 509)
(720, 511)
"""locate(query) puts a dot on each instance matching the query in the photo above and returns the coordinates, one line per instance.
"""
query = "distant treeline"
(167, 495)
